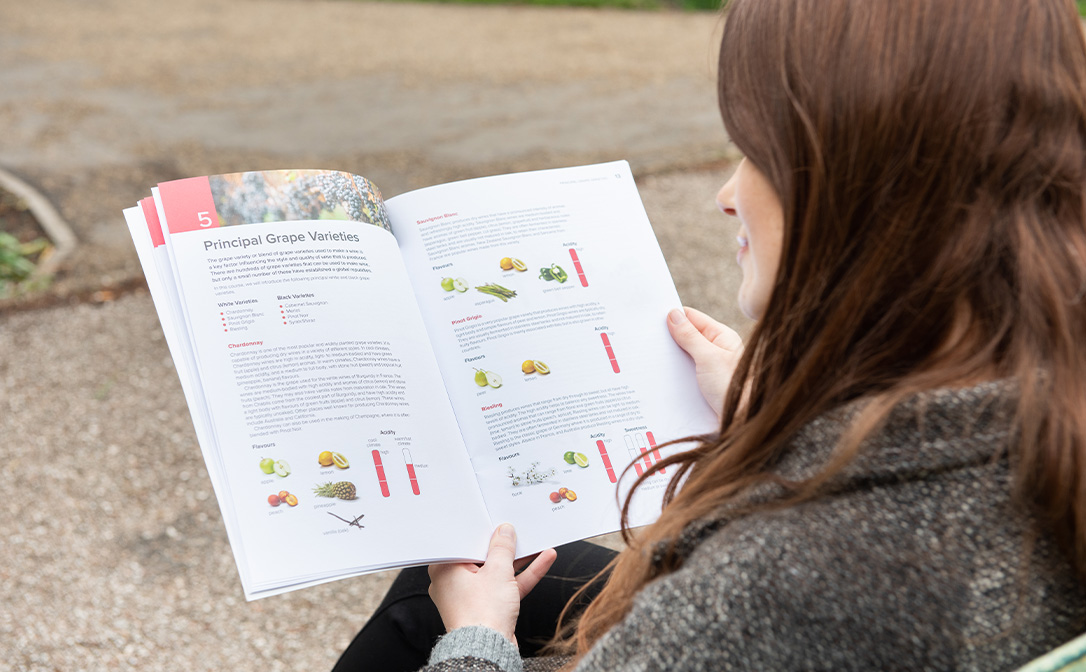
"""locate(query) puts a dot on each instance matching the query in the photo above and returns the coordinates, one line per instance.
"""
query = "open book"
(377, 384)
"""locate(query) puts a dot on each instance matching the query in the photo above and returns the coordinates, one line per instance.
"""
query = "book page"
(336, 439)
(546, 296)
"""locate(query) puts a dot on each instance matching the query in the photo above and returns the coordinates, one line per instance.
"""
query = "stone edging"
(58, 231)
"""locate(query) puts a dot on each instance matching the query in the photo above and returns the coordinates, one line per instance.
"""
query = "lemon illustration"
(541, 368)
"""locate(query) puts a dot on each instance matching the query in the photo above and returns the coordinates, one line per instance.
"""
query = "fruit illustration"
(267, 465)
(541, 368)
(291, 500)
(459, 284)
(568, 457)
(325, 459)
(555, 497)
(506, 264)
(340, 490)
(570, 495)
(581, 460)
(281, 468)
(273, 500)
(519, 265)
(283, 495)
(562, 492)
(340, 460)
(484, 378)
(528, 366)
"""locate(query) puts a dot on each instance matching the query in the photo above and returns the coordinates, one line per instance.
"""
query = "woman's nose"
(725, 198)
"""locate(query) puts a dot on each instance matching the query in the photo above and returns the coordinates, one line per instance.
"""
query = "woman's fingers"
(717, 333)
(688, 336)
(535, 571)
(503, 548)
(715, 348)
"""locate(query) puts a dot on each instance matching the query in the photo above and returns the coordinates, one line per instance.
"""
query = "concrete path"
(112, 550)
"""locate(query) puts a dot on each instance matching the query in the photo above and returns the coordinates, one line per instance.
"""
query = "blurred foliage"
(16, 265)
(22, 246)
(1081, 7)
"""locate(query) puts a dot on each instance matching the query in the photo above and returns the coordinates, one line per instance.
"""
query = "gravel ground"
(101, 100)
(114, 556)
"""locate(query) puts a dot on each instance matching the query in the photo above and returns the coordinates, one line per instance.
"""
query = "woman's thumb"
(686, 335)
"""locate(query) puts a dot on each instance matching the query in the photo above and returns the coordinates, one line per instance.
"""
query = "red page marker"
(655, 450)
(644, 451)
(188, 205)
(577, 265)
(610, 352)
(411, 471)
(154, 227)
(606, 462)
(380, 472)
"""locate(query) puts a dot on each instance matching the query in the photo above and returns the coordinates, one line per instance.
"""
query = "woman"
(899, 480)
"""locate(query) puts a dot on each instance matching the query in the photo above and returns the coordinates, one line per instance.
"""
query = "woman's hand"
(488, 595)
(716, 349)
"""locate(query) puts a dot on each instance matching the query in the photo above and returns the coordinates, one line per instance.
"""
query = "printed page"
(546, 295)
(336, 439)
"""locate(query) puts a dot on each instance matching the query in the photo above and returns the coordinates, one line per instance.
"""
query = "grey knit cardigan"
(917, 560)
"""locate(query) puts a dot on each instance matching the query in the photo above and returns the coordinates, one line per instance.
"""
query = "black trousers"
(400, 634)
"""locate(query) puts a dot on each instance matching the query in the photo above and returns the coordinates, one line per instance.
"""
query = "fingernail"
(676, 316)
(506, 530)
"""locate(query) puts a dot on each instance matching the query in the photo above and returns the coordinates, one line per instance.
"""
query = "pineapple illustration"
(341, 489)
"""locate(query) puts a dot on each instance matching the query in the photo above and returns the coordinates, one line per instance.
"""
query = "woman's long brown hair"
(930, 156)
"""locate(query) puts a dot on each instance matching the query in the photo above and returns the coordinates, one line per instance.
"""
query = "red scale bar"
(411, 471)
(610, 353)
(644, 452)
(655, 450)
(380, 472)
(577, 265)
(606, 462)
